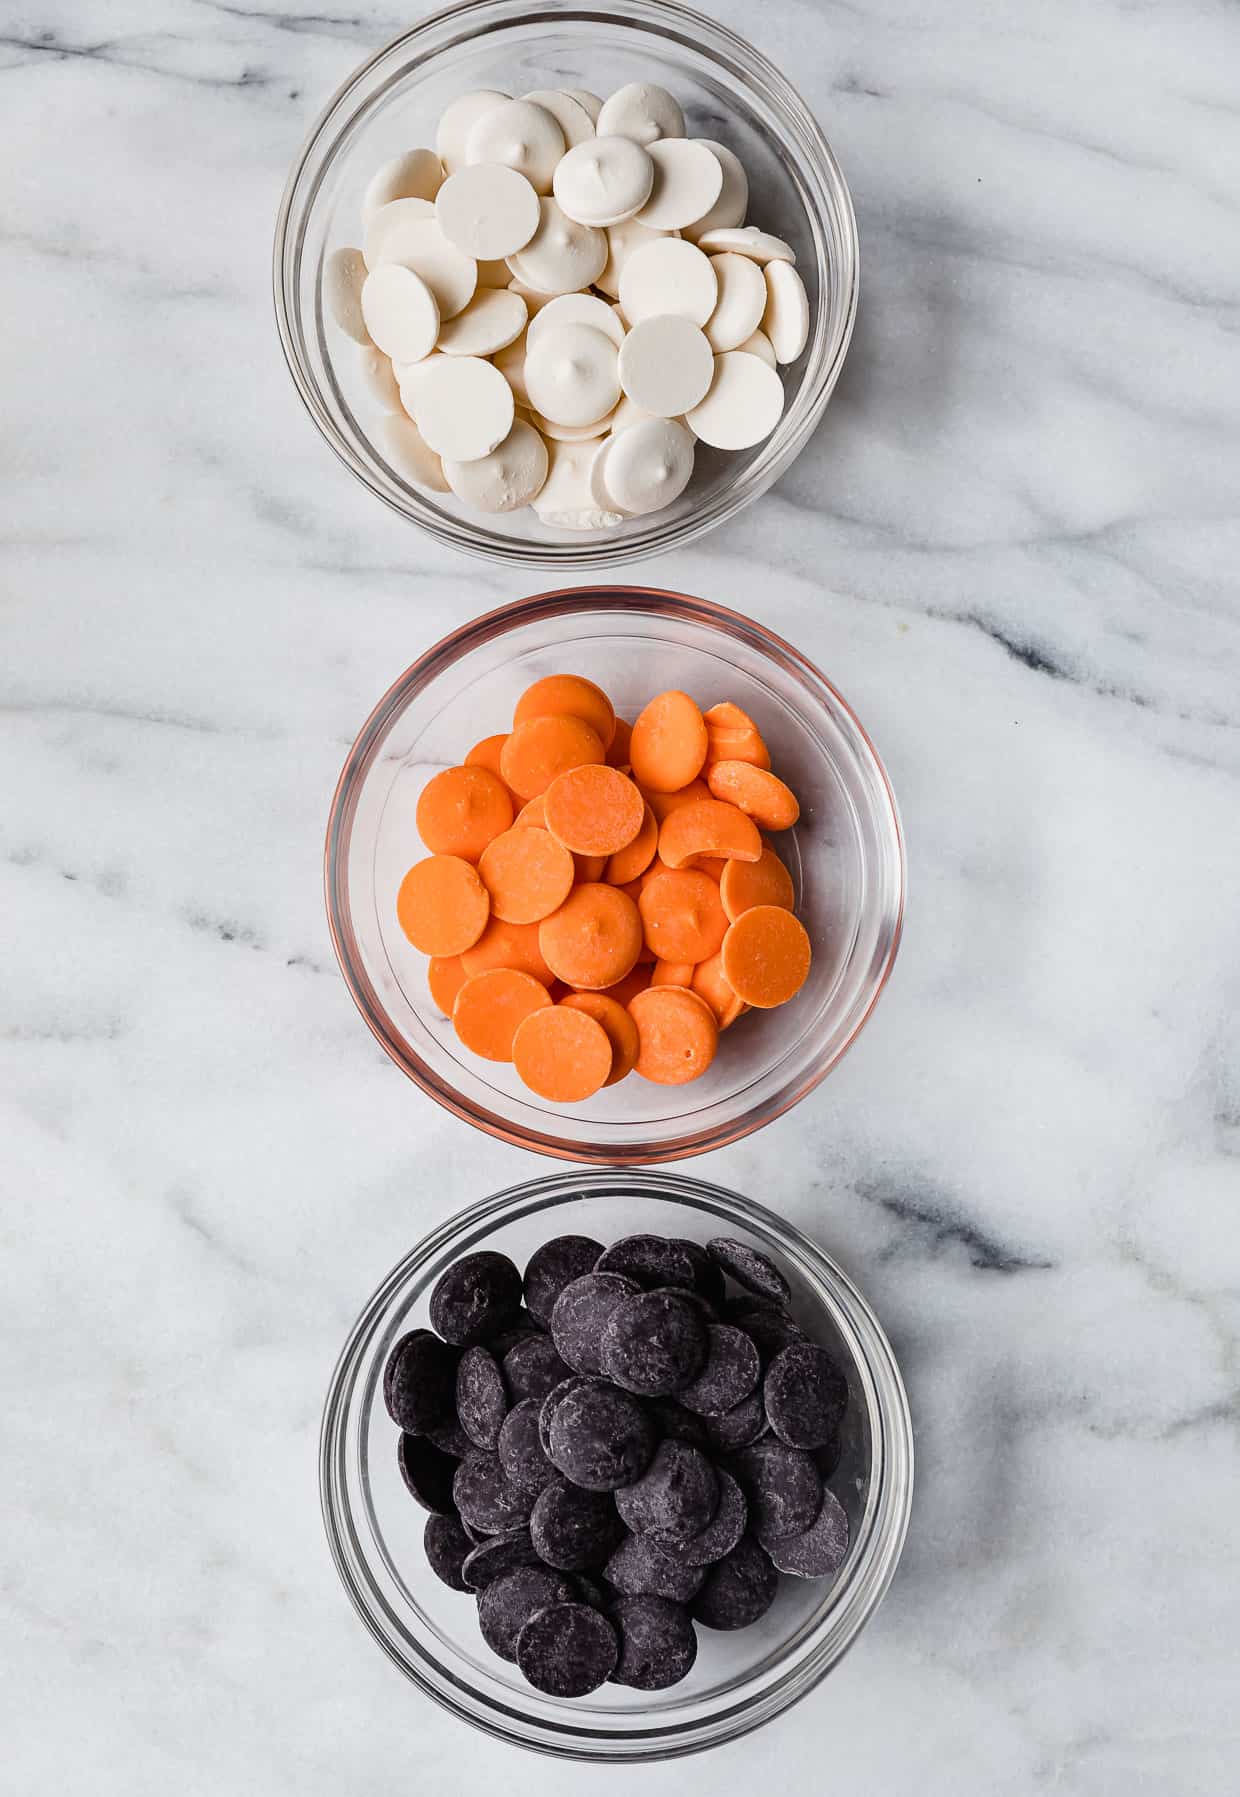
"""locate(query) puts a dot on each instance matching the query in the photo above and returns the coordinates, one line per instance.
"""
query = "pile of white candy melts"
(557, 302)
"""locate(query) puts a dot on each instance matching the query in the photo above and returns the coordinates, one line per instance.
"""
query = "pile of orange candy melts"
(598, 899)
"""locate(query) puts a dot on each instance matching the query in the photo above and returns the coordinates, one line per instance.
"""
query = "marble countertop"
(1014, 546)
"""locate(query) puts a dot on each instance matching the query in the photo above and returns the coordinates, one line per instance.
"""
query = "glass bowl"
(729, 92)
(845, 855)
(740, 1680)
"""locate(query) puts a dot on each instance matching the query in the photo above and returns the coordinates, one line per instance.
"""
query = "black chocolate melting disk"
(574, 1530)
(707, 1276)
(581, 1313)
(447, 1548)
(818, 1552)
(731, 1372)
(805, 1395)
(521, 1451)
(599, 1437)
(738, 1590)
(672, 1420)
(655, 1344)
(532, 1368)
(418, 1381)
(553, 1266)
(737, 1427)
(448, 1434)
(498, 1554)
(722, 1532)
(428, 1473)
(486, 1497)
(781, 1485)
(567, 1650)
(657, 1642)
(749, 1267)
(675, 1497)
(649, 1260)
(641, 1568)
(476, 1297)
(508, 1602)
(481, 1398)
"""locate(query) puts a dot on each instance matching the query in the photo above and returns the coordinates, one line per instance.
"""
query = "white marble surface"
(1013, 544)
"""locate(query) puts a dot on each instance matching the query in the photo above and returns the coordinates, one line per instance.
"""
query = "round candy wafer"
(573, 1529)
(481, 1397)
(738, 1590)
(506, 1604)
(657, 1643)
(567, 1650)
(553, 1266)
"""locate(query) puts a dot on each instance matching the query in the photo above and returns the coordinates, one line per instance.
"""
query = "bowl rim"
(859, 1597)
(567, 601)
(684, 24)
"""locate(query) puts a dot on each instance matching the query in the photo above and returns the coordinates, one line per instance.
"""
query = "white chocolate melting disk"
(641, 111)
(534, 301)
(647, 466)
(745, 403)
(401, 312)
(572, 433)
(409, 452)
(629, 412)
(493, 319)
(588, 101)
(388, 227)
(688, 178)
(413, 239)
(344, 273)
(741, 303)
(584, 516)
(511, 364)
(604, 181)
(462, 405)
(566, 499)
(578, 308)
(666, 365)
(571, 374)
(417, 175)
(487, 211)
(380, 378)
(786, 318)
(747, 240)
(562, 256)
(733, 202)
(506, 479)
(409, 374)
(759, 345)
(566, 109)
(405, 371)
(622, 241)
(459, 119)
(668, 275)
(523, 136)
(598, 489)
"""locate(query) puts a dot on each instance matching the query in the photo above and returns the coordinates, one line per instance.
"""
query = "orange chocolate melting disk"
(766, 956)
(676, 1035)
(594, 938)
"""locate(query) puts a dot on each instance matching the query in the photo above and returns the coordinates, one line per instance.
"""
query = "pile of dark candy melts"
(614, 1448)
